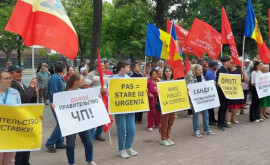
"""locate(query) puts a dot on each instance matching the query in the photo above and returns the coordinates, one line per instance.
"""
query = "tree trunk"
(96, 32)
(8, 55)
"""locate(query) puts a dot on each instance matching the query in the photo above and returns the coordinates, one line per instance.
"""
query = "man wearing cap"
(42, 84)
(28, 95)
(211, 75)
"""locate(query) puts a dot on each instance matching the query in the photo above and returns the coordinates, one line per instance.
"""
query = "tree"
(97, 4)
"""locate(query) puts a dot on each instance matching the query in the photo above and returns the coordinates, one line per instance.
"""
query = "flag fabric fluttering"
(228, 38)
(182, 34)
(106, 127)
(44, 23)
(252, 30)
(159, 43)
(202, 37)
(175, 61)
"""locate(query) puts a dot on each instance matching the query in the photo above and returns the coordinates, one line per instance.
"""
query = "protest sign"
(230, 84)
(203, 95)
(20, 127)
(128, 95)
(173, 96)
(263, 85)
(79, 110)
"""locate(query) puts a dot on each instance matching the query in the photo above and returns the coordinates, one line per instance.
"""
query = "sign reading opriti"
(173, 96)
(230, 84)
(128, 95)
(20, 127)
(79, 110)
(203, 95)
(263, 85)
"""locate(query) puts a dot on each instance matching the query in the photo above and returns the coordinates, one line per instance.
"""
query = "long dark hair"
(164, 75)
(70, 81)
(255, 66)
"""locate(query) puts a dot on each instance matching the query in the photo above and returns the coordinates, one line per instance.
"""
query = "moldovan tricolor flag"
(228, 38)
(202, 37)
(44, 23)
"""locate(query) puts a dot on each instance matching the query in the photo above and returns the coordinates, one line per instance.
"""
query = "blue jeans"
(196, 122)
(98, 132)
(56, 136)
(88, 146)
(125, 129)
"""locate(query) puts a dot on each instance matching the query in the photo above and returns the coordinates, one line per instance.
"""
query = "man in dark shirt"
(224, 102)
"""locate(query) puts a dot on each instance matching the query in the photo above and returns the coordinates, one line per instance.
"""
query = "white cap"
(247, 60)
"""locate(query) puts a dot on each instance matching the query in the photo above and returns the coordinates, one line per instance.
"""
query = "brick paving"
(245, 143)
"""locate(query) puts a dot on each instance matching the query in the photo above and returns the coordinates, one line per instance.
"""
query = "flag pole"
(33, 62)
(110, 137)
(243, 51)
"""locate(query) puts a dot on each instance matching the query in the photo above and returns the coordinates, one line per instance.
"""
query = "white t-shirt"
(254, 76)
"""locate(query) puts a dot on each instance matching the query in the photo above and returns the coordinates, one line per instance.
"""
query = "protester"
(224, 102)
(74, 82)
(84, 72)
(195, 78)
(125, 122)
(153, 116)
(107, 70)
(147, 70)
(136, 73)
(51, 70)
(187, 78)
(211, 75)
(42, 84)
(247, 68)
(93, 77)
(56, 84)
(167, 119)
(254, 109)
(9, 64)
(8, 96)
(39, 67)
(28, 95)
(160, 72)
(70, 72)
(160, 65)
(115, 71)
(82, 64)
(238, 103)
(265, 101)
(205, 67)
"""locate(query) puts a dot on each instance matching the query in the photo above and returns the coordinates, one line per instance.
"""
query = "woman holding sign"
(238, 103)
(9, 96)
(75, 82)
(254, 109)
(265, 101)
(167, 119)
(195, 78)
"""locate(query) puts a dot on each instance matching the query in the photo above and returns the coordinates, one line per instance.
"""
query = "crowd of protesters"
(65, 78)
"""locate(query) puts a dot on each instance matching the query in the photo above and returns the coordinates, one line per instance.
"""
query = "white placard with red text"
(263, 85)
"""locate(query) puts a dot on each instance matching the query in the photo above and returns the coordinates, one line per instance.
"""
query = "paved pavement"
(244, 143)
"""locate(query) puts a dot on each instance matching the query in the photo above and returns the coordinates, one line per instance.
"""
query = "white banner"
(203, 95)
(79, 110)
(263, 85)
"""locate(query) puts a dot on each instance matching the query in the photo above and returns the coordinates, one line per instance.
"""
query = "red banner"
(203, 37)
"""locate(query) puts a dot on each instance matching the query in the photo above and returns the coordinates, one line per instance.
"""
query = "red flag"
(45, 24)
(202, 37)
(106, 127)
(187, 65)
(228, 38)
(269, 22)
(264, 52)
(175, 60)
(181, 37)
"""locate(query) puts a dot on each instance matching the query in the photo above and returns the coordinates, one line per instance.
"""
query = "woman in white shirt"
(254, 109)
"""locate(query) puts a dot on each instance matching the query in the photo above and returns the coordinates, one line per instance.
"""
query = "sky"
(109, 1)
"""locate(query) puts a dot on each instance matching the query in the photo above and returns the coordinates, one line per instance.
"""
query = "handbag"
(157, 106)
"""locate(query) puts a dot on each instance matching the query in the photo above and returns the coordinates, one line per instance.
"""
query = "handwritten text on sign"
(173, 96)
(230, 84)
(263, 85)
(128, 95)
(203, 95)
(20, 127)
(80, 110)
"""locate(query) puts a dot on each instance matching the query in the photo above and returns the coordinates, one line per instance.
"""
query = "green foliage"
(43, 52)
(53, 58)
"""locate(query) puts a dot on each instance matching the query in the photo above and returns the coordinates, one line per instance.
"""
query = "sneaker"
(99, 138)
(229, 123)
(197, 134)
(131, 152)
(212, 123)
(63, 146)
(236, 122)
(226, 126)
(165, 142)
(191, 116)
(92, 163)
(256, 121)
(170, 141)
(123, 154)
(150, 129)
(260, 119)
(51, 149)
(209, 132)
(220, 128)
